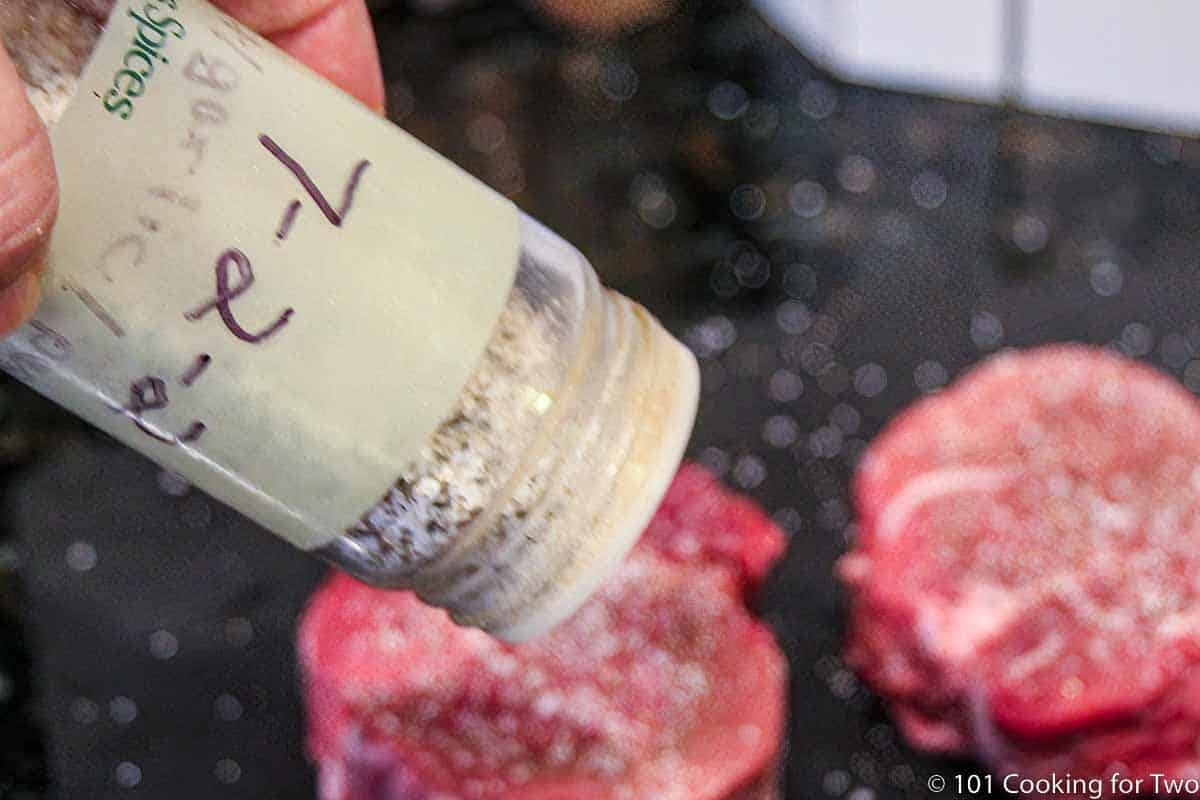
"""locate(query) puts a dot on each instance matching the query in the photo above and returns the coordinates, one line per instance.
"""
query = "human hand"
(333, 37)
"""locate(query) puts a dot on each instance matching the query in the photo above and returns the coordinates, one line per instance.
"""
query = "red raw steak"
(662, 687)
(1026, 577)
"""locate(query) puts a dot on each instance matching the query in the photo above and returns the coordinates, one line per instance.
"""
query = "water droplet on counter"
(227, 771)
(987, 331)
(747, 202)
(619, 81)
(929, 190)
(1106, 278)
(649, 195)
(751, 268)
(793, 317)
(227, 708)
(836, 782)
(856, 174)
(846, 417)
(843, 684)
(163, 645)
(1029, 233)
(727, 100)
(785, 386)
(825, 329)
(716, 459)
(870, 380)
(825, 442)
(780, 431)
(807, 199)
(81, 556)
(122, 710)
(815, 356)
(929, 376)
(127, 774)
(749, 472)
(789, 519)
(1137, 340)
(711, 337)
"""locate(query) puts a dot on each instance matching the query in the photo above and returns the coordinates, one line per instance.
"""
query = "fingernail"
(18, 301)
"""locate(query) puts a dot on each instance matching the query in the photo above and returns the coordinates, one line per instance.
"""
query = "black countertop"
(831, 252)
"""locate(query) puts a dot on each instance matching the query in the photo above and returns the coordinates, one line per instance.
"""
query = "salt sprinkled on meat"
(600, 692)
(662, 665)
(1024, 577)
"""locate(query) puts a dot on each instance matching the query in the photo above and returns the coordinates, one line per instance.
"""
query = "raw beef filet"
(1026, 578)
(662, 687)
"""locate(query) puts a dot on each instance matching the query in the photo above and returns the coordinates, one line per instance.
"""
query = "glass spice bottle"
(420, 384)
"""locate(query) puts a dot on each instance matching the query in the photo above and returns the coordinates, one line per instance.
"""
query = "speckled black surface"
(831, 252)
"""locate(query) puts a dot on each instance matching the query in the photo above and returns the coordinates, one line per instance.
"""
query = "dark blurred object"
(25, 424)
(592, 18)
(605, 17)
(23, 773)
(163, 627)
(831, 253)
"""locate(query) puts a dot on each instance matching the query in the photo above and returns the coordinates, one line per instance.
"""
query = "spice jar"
(312, 317)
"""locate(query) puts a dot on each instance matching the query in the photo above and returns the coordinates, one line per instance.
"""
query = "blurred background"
(831, 253)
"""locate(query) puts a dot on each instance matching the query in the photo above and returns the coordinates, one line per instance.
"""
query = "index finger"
(333, 37)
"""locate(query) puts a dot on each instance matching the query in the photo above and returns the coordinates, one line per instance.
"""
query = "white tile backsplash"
(1133, 64)
(954, 48)
(923, 45)
(1130, 63)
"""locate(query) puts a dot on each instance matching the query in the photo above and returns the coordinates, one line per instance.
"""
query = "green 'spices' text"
(154, 31)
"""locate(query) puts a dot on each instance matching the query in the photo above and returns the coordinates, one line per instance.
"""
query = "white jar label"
(254, 280)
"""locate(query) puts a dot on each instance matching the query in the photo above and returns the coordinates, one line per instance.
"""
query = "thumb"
(28, 199)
